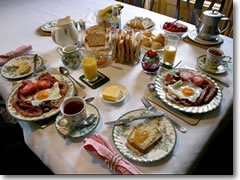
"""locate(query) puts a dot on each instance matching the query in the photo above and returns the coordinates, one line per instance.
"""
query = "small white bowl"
(176, 33)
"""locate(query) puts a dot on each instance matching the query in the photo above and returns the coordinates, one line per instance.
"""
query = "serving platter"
(163, 148)
(10, 70)
(12, 111)
(78, 132)
(213, 104)
(151, 25)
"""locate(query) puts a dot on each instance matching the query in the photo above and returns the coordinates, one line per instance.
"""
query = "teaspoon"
(65, 72)
(90, 119)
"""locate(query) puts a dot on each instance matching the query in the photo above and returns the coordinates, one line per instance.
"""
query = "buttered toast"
(143, 137)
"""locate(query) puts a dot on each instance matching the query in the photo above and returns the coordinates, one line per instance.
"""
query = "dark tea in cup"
(215, 52)
(73, 107)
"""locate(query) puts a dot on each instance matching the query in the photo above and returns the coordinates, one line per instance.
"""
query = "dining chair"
(139, 3)
(198, 6)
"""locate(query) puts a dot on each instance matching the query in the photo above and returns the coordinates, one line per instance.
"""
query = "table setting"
(132, 100)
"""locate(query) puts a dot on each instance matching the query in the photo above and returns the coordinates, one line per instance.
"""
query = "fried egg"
(185, 90)
(46, 95)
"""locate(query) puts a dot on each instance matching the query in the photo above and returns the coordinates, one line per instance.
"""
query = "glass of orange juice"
(170, 49)
(89, 65)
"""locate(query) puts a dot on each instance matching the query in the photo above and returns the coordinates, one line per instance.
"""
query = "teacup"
(71, 56)
(74, 111)
(215, 57)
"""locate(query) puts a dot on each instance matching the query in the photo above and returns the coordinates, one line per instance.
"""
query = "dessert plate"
(123, 89)
(47, 27)
(12, 111)
(10, 69)
(193, 36)
(201, 61)
(78, 132)
(163, 148)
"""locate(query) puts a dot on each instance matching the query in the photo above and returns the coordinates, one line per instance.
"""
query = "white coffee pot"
(65, 33)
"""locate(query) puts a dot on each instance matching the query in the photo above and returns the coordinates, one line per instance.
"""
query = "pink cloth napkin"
(104, 151)
(19, 51)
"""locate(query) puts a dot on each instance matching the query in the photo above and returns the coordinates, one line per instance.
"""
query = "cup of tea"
(74, 111)
(215, 57)
(170, 49)
(89, 65)
(71, 56)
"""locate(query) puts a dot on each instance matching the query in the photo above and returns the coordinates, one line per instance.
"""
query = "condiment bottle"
(116, 19)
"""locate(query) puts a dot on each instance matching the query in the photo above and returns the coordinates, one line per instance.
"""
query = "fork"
(149, 106)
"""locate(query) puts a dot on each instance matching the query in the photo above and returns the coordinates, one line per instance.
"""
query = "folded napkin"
(104, 151)
(18, 52)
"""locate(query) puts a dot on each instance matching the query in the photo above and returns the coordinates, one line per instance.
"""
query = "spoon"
(180, 18)
(65, 72)
(90, 119)
(151, 87)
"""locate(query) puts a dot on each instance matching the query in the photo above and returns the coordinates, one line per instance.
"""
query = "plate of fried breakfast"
(20, 67)
(39, 97)
(140, 24)
(97, 37)
(188, 90)
(147, 141)
(151, 41)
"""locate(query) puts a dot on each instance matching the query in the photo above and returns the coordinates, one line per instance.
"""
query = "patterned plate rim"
(149, 160)
(47, 29)
(213, 104)
(93, 127)
(20, 117)
(24, 75)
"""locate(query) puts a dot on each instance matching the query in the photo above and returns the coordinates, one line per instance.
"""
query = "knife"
(35, 65)
(130, 119)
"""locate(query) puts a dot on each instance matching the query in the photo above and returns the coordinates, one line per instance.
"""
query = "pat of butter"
(111, 93)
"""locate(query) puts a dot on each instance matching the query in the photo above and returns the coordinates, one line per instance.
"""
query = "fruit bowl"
(174, 28)
(150, 62)
(105, 21)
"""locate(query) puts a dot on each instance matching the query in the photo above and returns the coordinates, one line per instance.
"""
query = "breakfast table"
(20, 22)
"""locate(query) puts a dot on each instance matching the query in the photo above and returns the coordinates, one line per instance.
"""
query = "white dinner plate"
(123, 89)
(163, 148)
(10, 70)
(213, 104)
(12, 111)
(78, 132)
(193, 36)
(47, 27)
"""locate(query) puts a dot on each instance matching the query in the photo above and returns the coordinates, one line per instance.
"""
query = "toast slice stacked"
(125, 48)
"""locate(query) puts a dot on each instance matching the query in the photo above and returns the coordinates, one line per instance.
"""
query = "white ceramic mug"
(71, 56)
(65, 33)
(215, 57)
(74, 111)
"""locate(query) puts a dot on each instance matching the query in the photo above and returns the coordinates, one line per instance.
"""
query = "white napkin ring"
(11, 55)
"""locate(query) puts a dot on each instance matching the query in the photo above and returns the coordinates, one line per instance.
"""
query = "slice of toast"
(115, 45)
(144, 137)
(127, 47)
(121, 51)
(138, 48)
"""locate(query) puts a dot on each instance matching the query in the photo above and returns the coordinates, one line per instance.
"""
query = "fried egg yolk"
(187, 92)
(42, 95)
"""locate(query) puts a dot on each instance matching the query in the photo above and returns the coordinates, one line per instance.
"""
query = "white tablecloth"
(19, 22)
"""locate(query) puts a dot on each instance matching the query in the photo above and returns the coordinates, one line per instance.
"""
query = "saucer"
(220, 69)
(123, 89)
(193, 36)
(47, 27)
(63, 128)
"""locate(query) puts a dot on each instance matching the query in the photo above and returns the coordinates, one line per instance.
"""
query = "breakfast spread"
(32, 99)
(125, 48)
(152, 41)
(143, 137)
(111, 93)
(140, 23)
(188, 89)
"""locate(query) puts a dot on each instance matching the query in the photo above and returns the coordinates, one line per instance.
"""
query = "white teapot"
(65, 33)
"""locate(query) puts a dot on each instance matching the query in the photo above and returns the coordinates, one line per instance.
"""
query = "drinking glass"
(89, 65)
(170, 49)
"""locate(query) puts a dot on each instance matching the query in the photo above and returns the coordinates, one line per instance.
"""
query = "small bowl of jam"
(150, 62)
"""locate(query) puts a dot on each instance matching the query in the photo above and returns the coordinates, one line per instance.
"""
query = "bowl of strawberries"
(174, 28)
